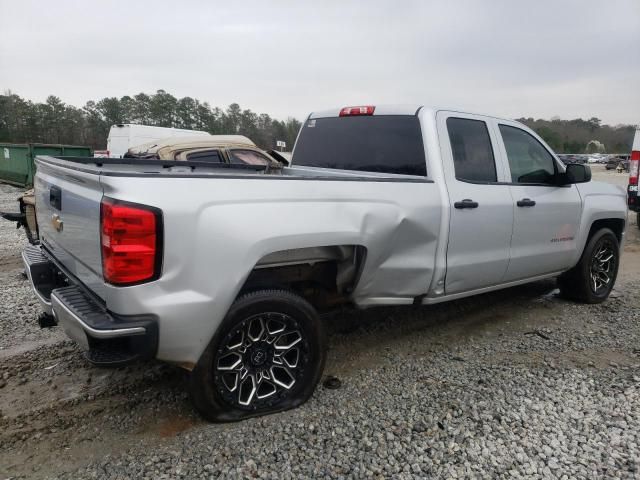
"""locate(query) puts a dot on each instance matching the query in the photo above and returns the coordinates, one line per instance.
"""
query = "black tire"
(213, 380)
(578, 283)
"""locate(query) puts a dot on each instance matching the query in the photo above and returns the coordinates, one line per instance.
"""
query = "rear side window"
(529, 161)
(212, 156)
(472, 151)
(385, 143)
(248, 157)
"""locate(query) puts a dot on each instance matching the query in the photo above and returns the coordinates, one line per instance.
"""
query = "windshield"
(388, 144)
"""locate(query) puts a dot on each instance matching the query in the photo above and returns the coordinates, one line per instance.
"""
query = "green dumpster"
(14, 164)
(16, 160)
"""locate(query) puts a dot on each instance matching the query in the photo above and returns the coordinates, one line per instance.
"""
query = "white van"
(126, 135)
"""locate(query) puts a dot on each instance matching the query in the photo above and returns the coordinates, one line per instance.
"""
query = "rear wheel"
(592, 279)
(267, 356)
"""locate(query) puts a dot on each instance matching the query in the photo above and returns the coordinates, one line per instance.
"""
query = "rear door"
(546, 216)
(480, 203)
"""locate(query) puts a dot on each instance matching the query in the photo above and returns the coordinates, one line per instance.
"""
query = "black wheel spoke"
(603, 265)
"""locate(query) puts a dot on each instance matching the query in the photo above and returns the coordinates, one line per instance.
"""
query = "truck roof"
(396, 109)
(135, 126)
(192, 142)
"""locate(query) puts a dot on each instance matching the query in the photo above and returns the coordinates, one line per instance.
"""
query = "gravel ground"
(517, 383)
(18, 306)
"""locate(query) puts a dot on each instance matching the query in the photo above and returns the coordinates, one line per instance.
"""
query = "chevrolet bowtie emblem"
(56, 222)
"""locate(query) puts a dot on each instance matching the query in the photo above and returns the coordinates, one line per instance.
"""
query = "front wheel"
(267, 356)
(592, 279)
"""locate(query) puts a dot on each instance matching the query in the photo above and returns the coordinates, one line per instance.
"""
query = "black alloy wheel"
(266, 356)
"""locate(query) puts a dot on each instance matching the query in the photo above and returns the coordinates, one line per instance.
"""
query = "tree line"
(25, 121)
(574, 136)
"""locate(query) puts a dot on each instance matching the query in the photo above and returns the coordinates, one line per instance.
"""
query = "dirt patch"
(601, 359)
(173, 426)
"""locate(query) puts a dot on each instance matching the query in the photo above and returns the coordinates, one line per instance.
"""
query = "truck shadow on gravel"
(472, 313)
(529, 325)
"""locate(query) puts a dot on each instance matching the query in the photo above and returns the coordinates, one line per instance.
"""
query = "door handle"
(526, 202)
(466, 203)
(55, 197)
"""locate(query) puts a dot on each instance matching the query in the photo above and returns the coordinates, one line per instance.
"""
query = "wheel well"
(325, 276)
(614, 224)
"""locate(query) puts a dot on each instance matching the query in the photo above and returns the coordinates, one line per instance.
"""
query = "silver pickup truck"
(222, 269)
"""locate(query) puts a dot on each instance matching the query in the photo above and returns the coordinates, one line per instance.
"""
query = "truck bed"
(151, 167)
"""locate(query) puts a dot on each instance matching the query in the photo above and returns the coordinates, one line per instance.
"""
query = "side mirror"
(281, 158)
(575, 173)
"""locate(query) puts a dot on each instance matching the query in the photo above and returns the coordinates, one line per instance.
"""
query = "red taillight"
(131, 242)
(634, 163)
(355, 111)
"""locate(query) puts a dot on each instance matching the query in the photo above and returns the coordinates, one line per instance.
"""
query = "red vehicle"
(634, 165)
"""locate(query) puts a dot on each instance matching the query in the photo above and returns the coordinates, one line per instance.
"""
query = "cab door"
(546, 215)
(481, 211)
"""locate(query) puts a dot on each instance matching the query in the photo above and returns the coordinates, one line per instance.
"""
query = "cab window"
(473, 158)
(248, 157)
(368, 143)
(529, 161)
(211, 156)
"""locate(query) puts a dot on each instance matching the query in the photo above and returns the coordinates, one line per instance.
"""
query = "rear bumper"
(108, 338)
(40, 273)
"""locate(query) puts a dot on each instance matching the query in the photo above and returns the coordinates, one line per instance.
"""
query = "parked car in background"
(633, 199)
(224, 149)
(617, 163)
(568, 158)
(126, 135)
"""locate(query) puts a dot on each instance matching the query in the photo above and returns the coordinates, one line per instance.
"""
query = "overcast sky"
(504, 57)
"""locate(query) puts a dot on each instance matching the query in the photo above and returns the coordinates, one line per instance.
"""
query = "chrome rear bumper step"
(81, 318)
(41, 273)
(109, 339)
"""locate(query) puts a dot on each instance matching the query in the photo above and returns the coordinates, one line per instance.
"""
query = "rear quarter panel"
(217, 230)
